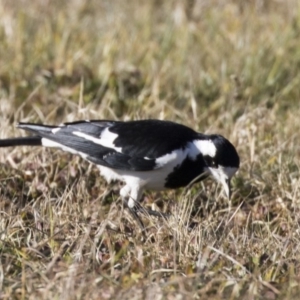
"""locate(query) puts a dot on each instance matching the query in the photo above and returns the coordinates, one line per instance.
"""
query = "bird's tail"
(22, 141)
(35, 140)
(36, 128)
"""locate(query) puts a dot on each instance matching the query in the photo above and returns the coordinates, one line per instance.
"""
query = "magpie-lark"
(145, 154)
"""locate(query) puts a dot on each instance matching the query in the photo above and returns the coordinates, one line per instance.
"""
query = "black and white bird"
(145, 154)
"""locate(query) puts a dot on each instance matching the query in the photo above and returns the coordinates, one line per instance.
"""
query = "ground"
(228, 67)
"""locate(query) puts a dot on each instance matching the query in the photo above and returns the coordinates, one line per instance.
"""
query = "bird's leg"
(131, 196)
(154, 213)
(130, 204)
(133, 212)
(136, 195)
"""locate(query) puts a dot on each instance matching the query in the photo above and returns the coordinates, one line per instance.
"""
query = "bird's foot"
(146, 211)
(154, 213)
(134, 213)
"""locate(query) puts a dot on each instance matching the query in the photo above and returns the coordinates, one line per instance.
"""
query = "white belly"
(154, 180)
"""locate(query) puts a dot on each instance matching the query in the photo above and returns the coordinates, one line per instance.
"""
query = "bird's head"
(221, 159)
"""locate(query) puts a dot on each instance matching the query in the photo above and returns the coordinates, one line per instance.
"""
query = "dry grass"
(218, 66)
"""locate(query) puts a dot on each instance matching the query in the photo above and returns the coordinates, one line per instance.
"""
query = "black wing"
(151, 138)
(133, 145)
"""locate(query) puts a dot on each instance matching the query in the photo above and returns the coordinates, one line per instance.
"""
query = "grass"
(230, 67)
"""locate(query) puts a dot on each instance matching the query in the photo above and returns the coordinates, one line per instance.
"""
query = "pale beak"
(223, 176)
(227, 188)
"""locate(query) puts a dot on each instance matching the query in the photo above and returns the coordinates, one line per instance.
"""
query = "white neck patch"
(206, 147)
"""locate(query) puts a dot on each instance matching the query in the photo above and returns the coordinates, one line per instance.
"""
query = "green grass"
(230, 67)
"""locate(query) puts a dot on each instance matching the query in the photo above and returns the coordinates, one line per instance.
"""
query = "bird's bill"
(227, 188)
(223, 175)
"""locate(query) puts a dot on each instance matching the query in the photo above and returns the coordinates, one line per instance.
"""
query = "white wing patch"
(192, 150)
(52, 144)
(55, 130)
(175, 157)
(206, 147)
(106, 139)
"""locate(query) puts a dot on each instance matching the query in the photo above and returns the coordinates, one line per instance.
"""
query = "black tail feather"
(35, 128)
(22, 141)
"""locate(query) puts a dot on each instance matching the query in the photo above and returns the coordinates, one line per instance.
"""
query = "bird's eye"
(214, 164)
(210, 161)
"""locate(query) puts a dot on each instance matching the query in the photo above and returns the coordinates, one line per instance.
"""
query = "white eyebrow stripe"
(106, 139)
